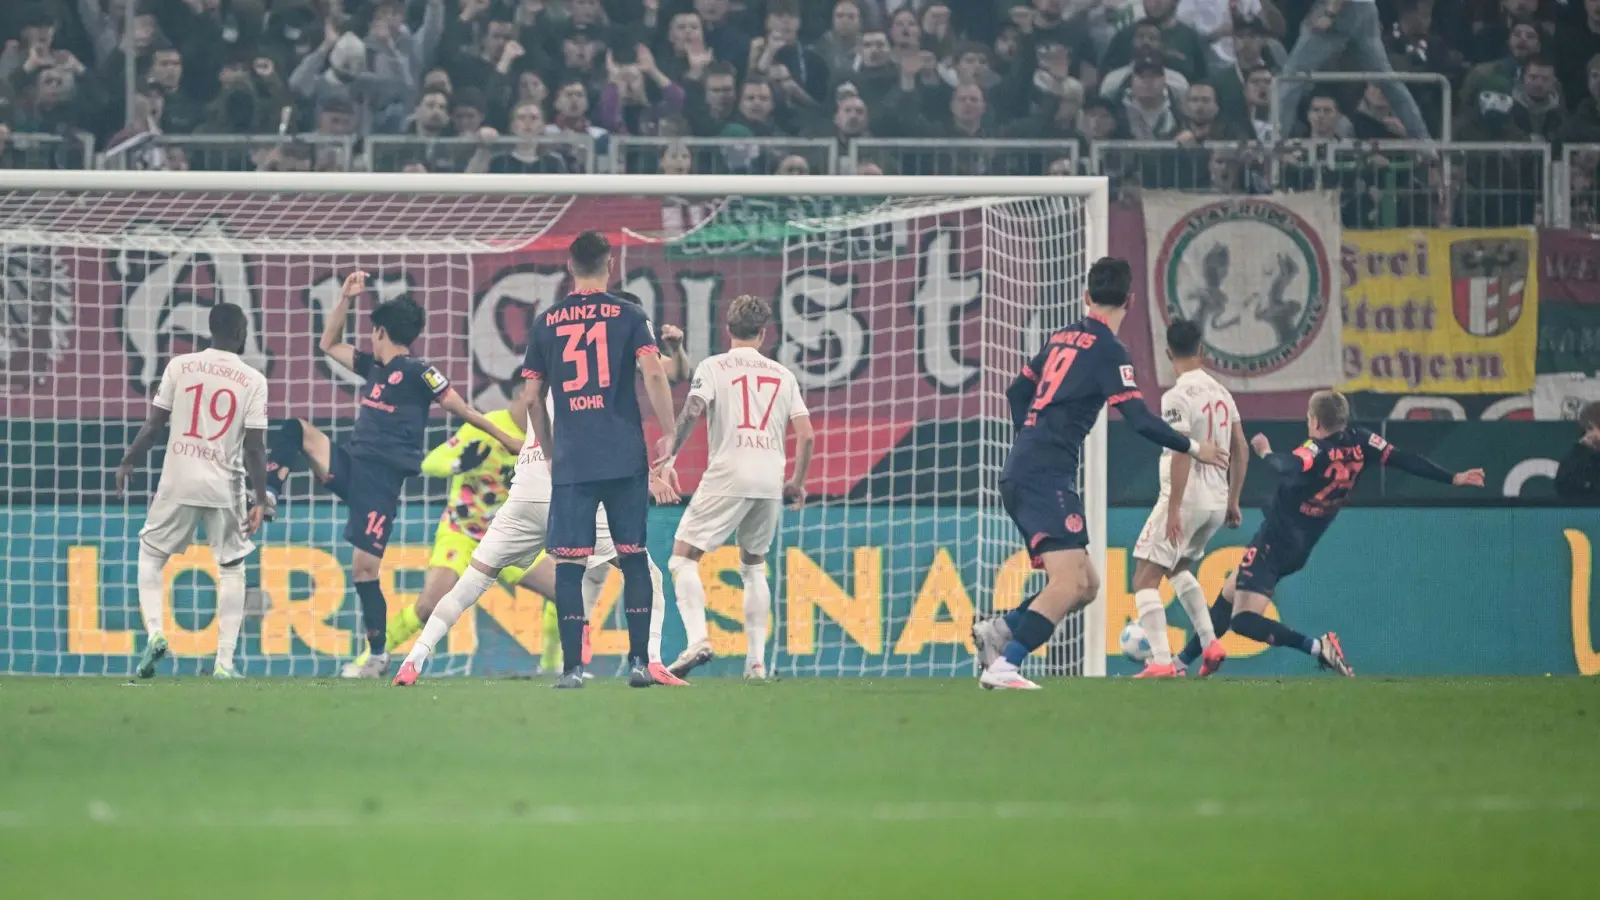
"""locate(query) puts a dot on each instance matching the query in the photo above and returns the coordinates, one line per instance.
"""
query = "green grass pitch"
(818, 789)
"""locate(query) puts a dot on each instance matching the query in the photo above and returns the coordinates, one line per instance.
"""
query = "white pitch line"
(755, 813)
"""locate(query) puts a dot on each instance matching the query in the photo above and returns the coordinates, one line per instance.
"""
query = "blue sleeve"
(364, 362)
(1393, 457)
(642, 335)
(533, 361)
(1148, 424)
(1285, 464)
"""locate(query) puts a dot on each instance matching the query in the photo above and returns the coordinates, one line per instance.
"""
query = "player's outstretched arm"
(332, 342)
(1423, 467)
(453, 404)
(805, 442)
(142, 442)
(255, 465)
(1152, 429)
(659, 391)
(674, 359)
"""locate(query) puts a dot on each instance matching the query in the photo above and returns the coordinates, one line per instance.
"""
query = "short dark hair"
(228, 324)
(1330, 409)
(747, 316)
(1538, 59)
(1110, 280)
(721, 67)
(402, 318)
(589, 252)
(1589, 415)
(1325, 94)
(1148, 23)
(1183, 338)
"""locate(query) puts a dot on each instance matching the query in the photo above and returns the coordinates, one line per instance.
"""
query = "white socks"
(1153, 618)
(658, 610)
(230, 612)
(757, 612)
(1194, 603)
(594, 581)
(152, 589)
(469, 587)
(691, 597)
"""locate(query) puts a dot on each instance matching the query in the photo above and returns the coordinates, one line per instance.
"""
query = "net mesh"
(904, 319)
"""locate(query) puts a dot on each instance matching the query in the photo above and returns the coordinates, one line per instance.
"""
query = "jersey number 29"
(1055, 369)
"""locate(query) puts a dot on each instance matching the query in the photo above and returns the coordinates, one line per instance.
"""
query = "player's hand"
(1469, 478)
(1235, 516)
(1261, 445)
(1211, 454)
(124, 473)
(253, 519)
(670, 339)
(795, 494)
(472, 456)
(664, 487)
(664, 452)
(354, 284)
(1174, 526)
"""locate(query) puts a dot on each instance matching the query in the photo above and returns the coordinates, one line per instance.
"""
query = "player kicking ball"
(749, 401)
(1195, 502)
(1314, 480)
(218, 406)
(1054, 404)
(584, 353)
(369, 471)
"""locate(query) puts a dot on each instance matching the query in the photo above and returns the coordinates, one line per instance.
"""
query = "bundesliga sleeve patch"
(435, 379)
(1127, 376)
(1173, 415)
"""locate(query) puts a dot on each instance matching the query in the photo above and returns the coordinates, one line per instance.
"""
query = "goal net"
(904, 307)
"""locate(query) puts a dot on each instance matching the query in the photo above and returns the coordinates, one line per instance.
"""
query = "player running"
(1054, 404)
(221, 408)
(1315, 479)
(1194, 502)
(750, 402)
(369, 471)
(597, 343)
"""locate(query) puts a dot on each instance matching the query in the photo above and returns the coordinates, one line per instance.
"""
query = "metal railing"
(394, 153)
(1576, 194)
(712, 155)
(233, 153)
(1275, 112)
(28, 150)
(964, 156)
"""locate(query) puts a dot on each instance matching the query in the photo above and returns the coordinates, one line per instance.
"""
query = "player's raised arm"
(674, 359)
(332, 342)
(454, 404)
(1421, 466)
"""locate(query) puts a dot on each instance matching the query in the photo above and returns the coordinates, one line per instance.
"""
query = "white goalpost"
(904, 305)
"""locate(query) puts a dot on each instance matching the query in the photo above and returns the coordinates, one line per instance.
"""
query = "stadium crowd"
(517, 86)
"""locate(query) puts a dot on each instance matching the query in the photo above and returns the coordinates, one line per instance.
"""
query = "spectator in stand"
(1374, 119)
(1149, 105)
(840, 44)
(531, 88)
(793, 164)
(208, 33)
(583, 57)
(1202, 121)
(851, 120)
(1249, 43)
(1414, 46)
(1061, 124)
(687, 57)
(1482, 36)
(1347, 28)
(397, 57)
(1538, 109)
(105, 38)
(1044, 24)
(491, 50)
(722, 37)
(335, 70)
(755, 116)
(572, 118)
(1102, 120)
(1578, 476)
(1583, 126)
(1573, 47)
(1500, 190)
(675, 159)
(182, 115)
(336, 118)
(874, 73)
(1523, 42)
(905, 31)
(527, 156)
(799, 75)
(937, 35)
(718, 101)
(1213, 20)
(147, 155)
(1324, 120)
(468, 111)
(1224, 173)
(1258, 103)
(1183, 49)
(625, 106)
(431, 117)
(1147, 38)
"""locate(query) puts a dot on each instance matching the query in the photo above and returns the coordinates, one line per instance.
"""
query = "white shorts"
(516, 535)
(709, 520)
(170, 527)
(1199, 525)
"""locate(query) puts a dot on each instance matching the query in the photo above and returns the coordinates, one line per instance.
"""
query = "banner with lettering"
(1569, 310)
(1440, 312)
(1257, 275)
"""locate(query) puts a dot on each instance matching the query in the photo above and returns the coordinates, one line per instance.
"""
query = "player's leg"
(1154, 555)
(296, 442)
(571, 542)
(1072, 583)
(225, 529)
(167, 530)
(706, 523)
(1254, 585)
(372, 497)
(627, 506)
(514, 537)
(539, 577)
(755, 534)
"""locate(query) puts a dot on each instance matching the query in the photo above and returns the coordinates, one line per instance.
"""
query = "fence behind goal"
(904, 306)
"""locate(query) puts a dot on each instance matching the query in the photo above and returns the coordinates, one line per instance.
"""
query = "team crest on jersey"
(1075, 523)
(1253, 275)
(1488, 280)
(394, 377)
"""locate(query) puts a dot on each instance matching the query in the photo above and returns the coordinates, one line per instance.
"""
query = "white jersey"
(531, 481)
(213, 397)
(1197, 406)
(750, 401)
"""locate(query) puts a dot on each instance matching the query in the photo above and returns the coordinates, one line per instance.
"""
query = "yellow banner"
(1440, 312)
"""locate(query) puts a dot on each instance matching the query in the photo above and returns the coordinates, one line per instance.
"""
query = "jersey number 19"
(214, 408)
(1055, 370)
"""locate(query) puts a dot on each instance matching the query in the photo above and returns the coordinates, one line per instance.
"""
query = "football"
(1135, 643)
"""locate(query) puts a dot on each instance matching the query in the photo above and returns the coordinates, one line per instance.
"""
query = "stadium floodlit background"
(1442, 271)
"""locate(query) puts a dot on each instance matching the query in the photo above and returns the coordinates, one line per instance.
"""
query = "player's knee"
(746, 558)
(1184, 581)
(485, 568)
(679, 565)
(1146, 575)
(366, 566)
(1089, 586)
(634, 565)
